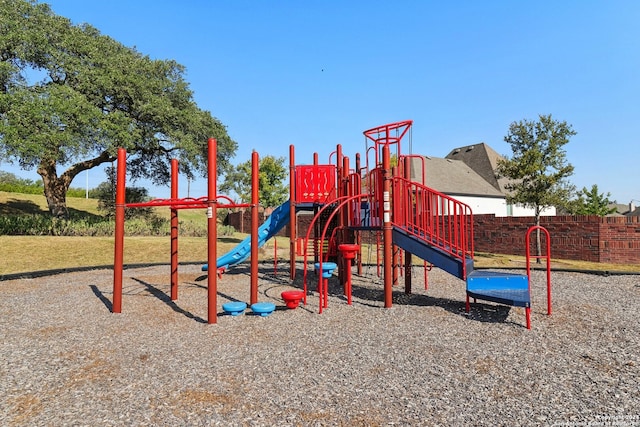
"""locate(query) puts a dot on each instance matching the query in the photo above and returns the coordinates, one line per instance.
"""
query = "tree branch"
(74, 170)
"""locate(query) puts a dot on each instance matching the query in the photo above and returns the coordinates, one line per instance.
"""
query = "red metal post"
(118, 258)
(358, 235)
(407, 199)
(317, 246)
(339, 170)
(174, 231)
(212, 232)
(255, 185)
(293, 226)
(387, 228)
(344, 222)
(275, 256)
(426, 276)
(547, 256)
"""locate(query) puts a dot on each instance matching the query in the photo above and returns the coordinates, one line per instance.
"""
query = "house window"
(509, 209)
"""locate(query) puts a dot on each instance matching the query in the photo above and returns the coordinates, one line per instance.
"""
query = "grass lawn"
(21, 254)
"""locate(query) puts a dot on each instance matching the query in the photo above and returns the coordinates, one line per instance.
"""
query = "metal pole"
(255, 185)
(386, 228)
(174, 231)
(358, 234)
(212, 233)
(408, 213)
(118, 260)
(293, 232)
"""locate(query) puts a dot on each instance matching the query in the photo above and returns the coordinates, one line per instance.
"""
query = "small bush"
(226, 230)
(44, 225)
(191, 228)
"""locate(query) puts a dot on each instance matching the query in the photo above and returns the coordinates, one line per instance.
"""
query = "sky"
(318, 73)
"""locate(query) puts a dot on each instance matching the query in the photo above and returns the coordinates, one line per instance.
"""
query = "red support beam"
(118, 259)
(174, 231)
(255, 185)
(408, 258)
(387, 227)
(293, 227)
(212, 233)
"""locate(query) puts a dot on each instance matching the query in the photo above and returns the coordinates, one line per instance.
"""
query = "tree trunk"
(55, 189)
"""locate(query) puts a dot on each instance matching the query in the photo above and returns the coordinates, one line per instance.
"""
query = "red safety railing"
(546, 255)
(434, 217)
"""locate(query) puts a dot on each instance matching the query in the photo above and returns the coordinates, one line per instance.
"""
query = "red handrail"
(434, 217)
(547, 255)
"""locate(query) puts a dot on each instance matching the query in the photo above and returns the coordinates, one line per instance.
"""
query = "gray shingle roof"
(452, 177)
(482, 159)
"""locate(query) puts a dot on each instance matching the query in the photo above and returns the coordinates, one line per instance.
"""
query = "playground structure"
(406, 216)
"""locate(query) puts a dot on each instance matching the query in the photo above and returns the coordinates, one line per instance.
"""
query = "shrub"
(226, 230)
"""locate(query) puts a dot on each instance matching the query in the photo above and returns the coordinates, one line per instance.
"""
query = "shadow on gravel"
(98, 293)
(479, 312)
(158, 293)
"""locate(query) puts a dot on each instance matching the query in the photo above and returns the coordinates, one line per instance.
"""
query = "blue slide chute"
(271, 226)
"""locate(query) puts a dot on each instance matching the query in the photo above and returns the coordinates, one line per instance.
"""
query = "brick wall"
(586, 238)
(620, 240)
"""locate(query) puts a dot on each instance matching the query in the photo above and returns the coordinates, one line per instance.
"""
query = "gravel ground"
(65, 359)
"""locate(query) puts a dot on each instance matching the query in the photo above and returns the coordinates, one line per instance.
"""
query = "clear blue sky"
(317, 73)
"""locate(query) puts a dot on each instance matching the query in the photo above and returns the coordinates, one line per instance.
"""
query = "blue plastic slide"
(274, 223)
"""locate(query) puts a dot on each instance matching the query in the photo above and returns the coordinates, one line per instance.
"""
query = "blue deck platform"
(499, 287)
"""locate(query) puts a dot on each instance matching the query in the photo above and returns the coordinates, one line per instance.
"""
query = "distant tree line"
(14, 184)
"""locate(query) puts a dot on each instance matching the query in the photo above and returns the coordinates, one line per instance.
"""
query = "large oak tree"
(70, 96)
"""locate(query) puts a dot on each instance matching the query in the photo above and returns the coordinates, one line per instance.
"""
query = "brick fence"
(586, 238)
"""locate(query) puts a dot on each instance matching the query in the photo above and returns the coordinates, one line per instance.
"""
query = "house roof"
(635, 212)
(483, 160)
(620, 208)
(452, 177)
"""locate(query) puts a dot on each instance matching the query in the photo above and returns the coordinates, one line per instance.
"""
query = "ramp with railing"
(433, 226)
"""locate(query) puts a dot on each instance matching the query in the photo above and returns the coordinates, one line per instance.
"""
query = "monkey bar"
(210, 202)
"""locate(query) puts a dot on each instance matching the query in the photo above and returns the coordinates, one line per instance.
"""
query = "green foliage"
(272, 190)
(591, 202)
(538, 170)
(95, 95)
(45, 225)
(226, 230)
(106, 195)
(13, 184)
(23, 216)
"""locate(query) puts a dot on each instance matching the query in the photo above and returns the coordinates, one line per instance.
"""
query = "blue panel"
(499, 287)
